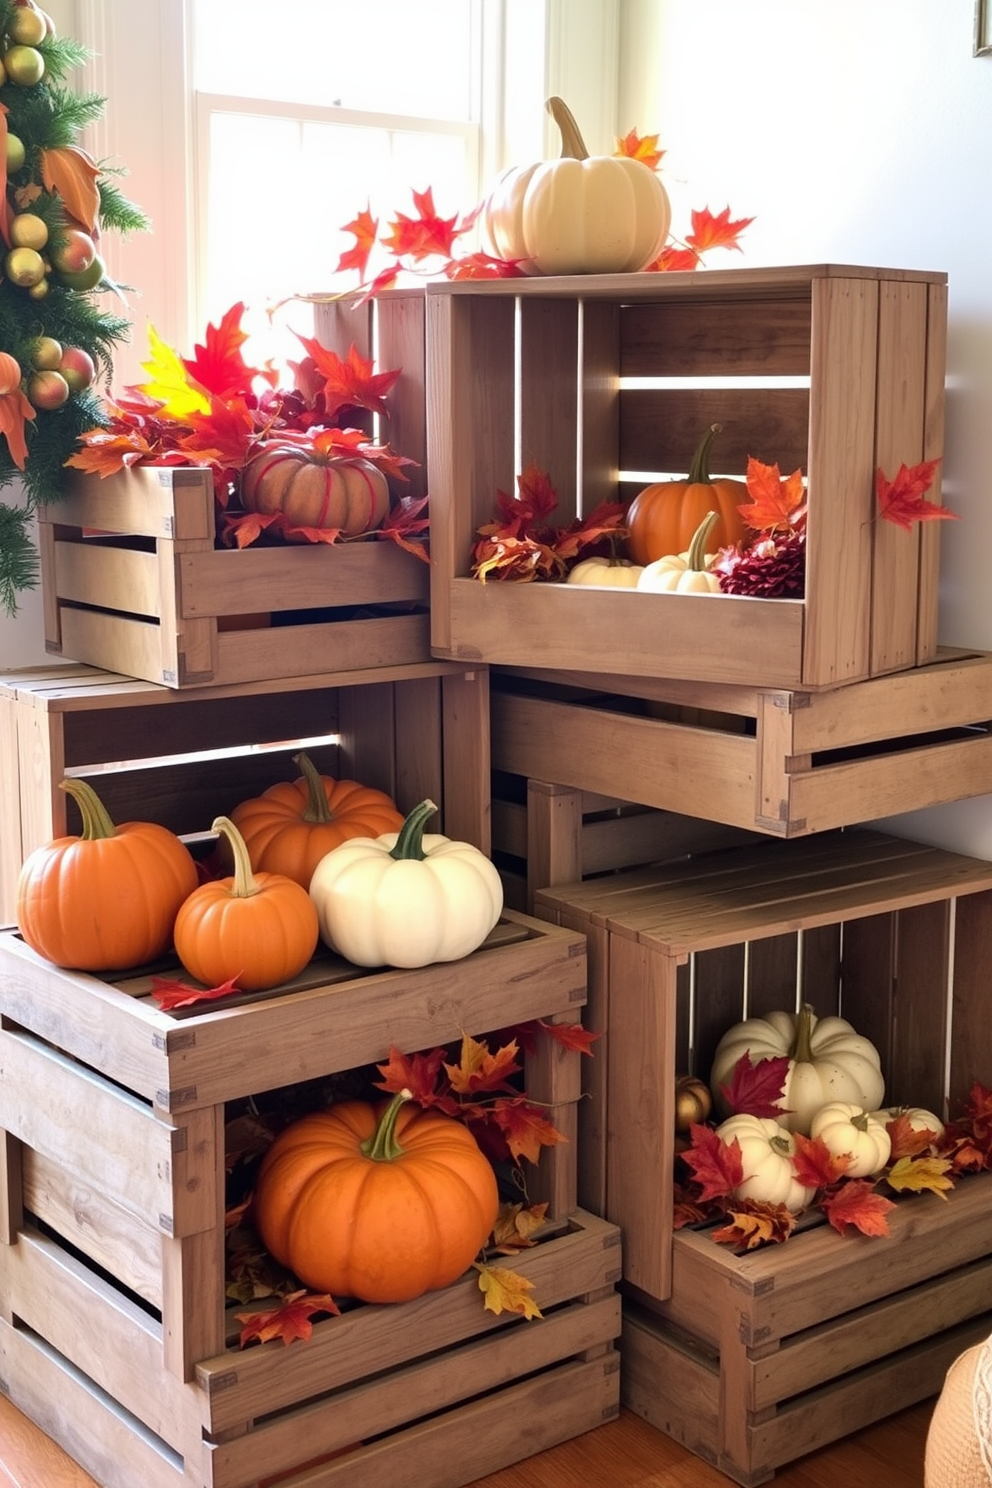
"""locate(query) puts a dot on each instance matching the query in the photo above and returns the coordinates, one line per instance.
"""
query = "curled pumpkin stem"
(699, 470)
(410, 842)
(245, 884)
(317, 809)
(696, 556)
(97, 822)
(382, 1145)
(573, 146)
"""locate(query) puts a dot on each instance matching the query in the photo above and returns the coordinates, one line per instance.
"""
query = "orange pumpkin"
(256, 929)
(662, 518)
(292, 825)
(312, 487)
(107, 899)
(382, 1205)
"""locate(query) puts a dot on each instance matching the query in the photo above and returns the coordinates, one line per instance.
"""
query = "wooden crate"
(757, 1359)
(181, 758)
(893, 934)
(606, 381)
(779, 763)
(112, 1234)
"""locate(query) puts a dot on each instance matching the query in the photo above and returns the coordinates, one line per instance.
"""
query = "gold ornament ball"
(28, 26)
(24, 267)
(16, 153)
(40, 290)
(48, 390)
(24, 65)
(27, 230)
(45, 353)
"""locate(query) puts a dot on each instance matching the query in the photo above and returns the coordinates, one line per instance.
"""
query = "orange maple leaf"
(414, 1072)
(776, 501)
(715, 232)
(901, 500)
(674, 259)
(479, 1069)
(524, 1128)
(105, 454)
(643, 147)
(906, 1140)
(289, 1321)
(69, 171)
(351, 382)
(425, 236)
(221, 437)
(364, 228)
(15, 411)
(854, 1205)
(755, 1224)
(482, 266)
(169, 993)
(570, 1035)
(814, 1165)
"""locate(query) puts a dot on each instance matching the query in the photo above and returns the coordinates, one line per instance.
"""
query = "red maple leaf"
(350, 383)
(901, 500)
(524, 1127)
(756, 1089)
(814, 1165)
(364, 229)
(170, 993)
(218, 366)
(414, 1072)
(292, 1319)
(643, 147)
(223, 436)
(776, 501)
(425, 236)
(717, 1166)
(906, 1140)
(407, 520)
(606, 520)
(570, 1035)
(482, 266)
(716, 232)
(674, 259)
(854, 1205)
(241, 529)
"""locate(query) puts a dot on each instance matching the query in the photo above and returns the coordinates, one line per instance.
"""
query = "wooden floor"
(626, 1453)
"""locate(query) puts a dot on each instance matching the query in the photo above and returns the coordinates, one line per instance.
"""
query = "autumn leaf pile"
(215, 409)
(473, 1083)
(921, 1161)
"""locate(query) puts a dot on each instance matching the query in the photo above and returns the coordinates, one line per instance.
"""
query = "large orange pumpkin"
(293, 824)
(107, 899)
(662, 518)
(256, 929)
(312, 487)
(382, 1205)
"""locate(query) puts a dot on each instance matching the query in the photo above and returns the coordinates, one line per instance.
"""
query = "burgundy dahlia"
(772, 567)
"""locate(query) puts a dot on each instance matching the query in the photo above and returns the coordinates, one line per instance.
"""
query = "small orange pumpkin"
(313, 487)
(662, 518)
(256, 929)
(382, 1205)
(293, 824)
(107, 899)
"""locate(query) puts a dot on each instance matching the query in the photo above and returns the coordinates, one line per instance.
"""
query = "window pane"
(395, 56)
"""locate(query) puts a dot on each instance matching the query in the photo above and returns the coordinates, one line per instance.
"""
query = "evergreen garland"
(47, 115)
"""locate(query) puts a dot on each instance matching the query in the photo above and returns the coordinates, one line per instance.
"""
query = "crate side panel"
(599, 413)
(670, 1383)
(114, 578)
(933, 449)
(970, 1054)
(307, 650)
(222, 581)
(549, 397)
(143, 500)
(692, 337)
(466, 758)
(137, 648)
(400, 344)
(661, 427)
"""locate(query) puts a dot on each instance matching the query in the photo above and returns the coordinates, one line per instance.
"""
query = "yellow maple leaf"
(505, 1291)
(916, 1174)
(170, 384)
(480, 1069)
(516, 1225)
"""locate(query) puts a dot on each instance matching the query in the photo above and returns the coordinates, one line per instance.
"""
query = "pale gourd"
(848, 1131)
(919, 1118)
(690, 572)
(828, 1060)
(767, 1150)
(605, 573)
(582, 214)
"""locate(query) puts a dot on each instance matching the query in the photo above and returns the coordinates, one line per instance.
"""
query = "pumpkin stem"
(699, 470)
(382, 1145)
(696, 556)
(317, 809)
(780, 1145)
(573, 146)
(802, 1047)
(410, 842)
(96, 817)
(245, 884)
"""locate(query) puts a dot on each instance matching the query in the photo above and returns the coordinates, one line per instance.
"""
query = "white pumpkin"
(848, 1131)
(828, 1060)
(406, 899)
(767, 1151)
(919, 1118)
(582, 214)
(605, 573)
(690, 572)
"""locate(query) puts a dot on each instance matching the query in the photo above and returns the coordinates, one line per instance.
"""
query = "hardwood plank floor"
(626, 1453)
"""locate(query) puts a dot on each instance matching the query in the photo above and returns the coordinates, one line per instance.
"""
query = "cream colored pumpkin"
(690, 572)
(828, 1060)
(919, 1118)
(582, 214)
(605, 573)
(767, 1151)
(848, 1131)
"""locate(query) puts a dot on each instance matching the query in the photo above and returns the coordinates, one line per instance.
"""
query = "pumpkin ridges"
(314, 489)
(663, 517)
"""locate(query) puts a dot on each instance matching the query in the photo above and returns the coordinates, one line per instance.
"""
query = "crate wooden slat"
(866, 346)
(784, 764)
(182, 757)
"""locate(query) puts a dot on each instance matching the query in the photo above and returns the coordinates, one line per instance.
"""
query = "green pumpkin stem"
(696, 556)
(410, 842)
(96, 818)
(245, 884)
(382, 1145)
(699, 470)
(317, 809)
(573, 146)
(802, 1046)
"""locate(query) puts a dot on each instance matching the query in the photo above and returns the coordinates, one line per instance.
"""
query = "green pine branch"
(18, 559)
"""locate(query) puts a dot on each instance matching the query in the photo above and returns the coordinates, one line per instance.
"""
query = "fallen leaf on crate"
(169, 993)
(906, 1140)
(717, 1166)
(756, 1224)
(505, 1291)
(920, 1174)
(756, 1089)
(854, 1205)
(814, 1165)
(515, 1226)
(290, 1321)
(901, 500)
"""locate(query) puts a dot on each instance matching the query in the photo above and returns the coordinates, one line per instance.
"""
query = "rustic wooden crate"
(181, 758)
(893, 934)
(112, 1233)
(779, 763)
(757, 1359)
(535, 370)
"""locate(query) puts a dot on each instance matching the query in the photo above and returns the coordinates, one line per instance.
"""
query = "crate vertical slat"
(933, 447)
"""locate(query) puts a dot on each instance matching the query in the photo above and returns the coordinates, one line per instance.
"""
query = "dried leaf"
(814, 1165)
(290, 1321)
(482, 266)
(674, 259)
(414, 1072)
(516, 1225)
(919, 1174)
(223, 437)
(853, 1204)
(72, 173)
(479, 1069)
(570, 1035)
(756, 1089)
(505, 1291)
(756, 1224)
(901, 500)
(905, 1140)
(170, 993)
(717, 1166)
(524, 1127)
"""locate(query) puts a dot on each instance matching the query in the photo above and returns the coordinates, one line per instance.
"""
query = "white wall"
(854, 131)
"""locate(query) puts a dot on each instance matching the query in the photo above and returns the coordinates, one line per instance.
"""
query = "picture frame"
(982, 46)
